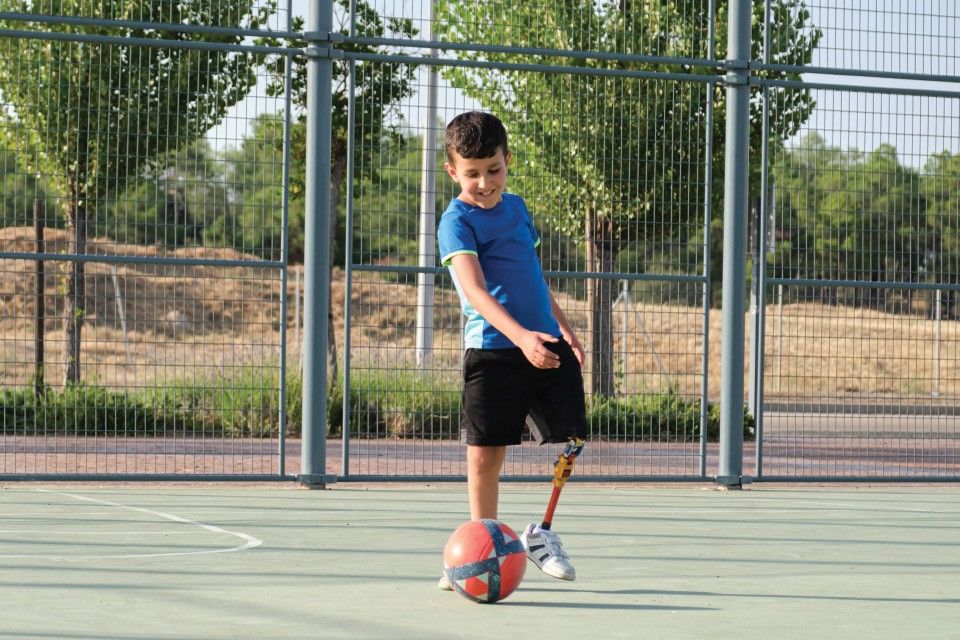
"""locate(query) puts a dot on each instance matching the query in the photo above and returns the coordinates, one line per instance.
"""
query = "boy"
(521, 353)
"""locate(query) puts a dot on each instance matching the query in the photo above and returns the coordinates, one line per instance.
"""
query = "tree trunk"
(337, 174)
(76, 285)
(600, 256)
(40, 312)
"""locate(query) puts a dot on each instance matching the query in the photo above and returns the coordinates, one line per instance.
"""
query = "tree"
(253, 173)
(180, 198)
(941, 188)
(877, 221)
(800, 177)
(379, 91)
(18, 190)
(617, 161)
(94, 115)
(805, 176)
(851, 215)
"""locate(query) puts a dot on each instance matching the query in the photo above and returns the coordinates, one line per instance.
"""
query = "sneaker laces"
(554, 546)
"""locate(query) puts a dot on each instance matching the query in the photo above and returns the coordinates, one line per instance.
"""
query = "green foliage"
(93, 411)
(180, 199)
(852, 215)
(112, 118)
(89, 117)
(387, 205)
(246, 405)
(379, 90)
(627, 150)
(254, 176)
(397, 404)
(941, 193)
(18, 190)
(659, 418)
(383, 404)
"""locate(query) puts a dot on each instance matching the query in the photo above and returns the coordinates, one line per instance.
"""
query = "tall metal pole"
(427, 241)
(707, 243)
(758, 336)
(736, 187)
(285, 258)
(316, 268)
(348, 252)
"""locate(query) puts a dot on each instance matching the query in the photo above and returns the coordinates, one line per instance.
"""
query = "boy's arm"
(565, 329)
(474, 287)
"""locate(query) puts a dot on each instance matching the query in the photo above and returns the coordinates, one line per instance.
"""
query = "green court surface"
(228, 561)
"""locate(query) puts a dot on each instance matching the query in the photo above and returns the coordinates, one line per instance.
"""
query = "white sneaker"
(545, 550)
(444, 583)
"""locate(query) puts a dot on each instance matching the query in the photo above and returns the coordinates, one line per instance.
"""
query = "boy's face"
(481, 180)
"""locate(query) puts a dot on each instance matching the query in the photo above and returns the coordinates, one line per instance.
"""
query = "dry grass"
(207, 322)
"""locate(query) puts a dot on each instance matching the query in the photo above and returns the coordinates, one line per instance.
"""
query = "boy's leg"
(483, 487)
(483, 480)
(544, 547)
(561, 415)
(495, 401)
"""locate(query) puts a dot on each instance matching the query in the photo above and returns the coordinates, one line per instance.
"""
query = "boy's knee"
(486, 459)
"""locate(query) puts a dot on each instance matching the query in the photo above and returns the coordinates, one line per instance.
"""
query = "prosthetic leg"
(543, 546)
(561, 472)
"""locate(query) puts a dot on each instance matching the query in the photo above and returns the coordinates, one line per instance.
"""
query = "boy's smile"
(481, 180)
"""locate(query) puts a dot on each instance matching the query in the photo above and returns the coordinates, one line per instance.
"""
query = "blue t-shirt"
(504, 241)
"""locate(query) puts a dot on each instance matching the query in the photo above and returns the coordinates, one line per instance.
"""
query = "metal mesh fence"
(581, 28)
(143, 286)
(192, 15)
(858, 370)
(153, 213)
(887, 36)
(589, 153)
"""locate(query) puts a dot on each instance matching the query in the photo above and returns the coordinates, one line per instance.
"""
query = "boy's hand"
(571, 340)
(533, 348)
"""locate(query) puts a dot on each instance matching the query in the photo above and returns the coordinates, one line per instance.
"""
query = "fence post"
(736, 188)
(316, 294)
(427, 236)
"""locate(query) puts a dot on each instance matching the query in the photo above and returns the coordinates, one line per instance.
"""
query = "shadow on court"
(362, 561)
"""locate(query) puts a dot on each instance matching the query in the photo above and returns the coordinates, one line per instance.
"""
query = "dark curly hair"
(475, 134)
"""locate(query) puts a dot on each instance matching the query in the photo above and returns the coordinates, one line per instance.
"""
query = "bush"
(91, 411)
(658, 417)
(383, 404)
(399, 404)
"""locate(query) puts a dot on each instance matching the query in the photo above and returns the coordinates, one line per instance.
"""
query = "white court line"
(249, 543)
(43, 532)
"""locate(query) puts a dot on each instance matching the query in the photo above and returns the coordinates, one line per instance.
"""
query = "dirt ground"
(146, 324)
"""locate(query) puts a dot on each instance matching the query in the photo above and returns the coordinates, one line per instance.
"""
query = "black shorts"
(501, 389)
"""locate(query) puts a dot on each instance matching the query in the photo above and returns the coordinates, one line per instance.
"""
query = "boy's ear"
(451, 170)
(507, 158)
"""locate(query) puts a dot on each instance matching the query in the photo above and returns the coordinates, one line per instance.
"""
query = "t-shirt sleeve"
(533, 230)
(454, 237)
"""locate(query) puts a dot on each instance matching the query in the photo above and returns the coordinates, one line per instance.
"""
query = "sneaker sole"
(539, 564)
(562, 576)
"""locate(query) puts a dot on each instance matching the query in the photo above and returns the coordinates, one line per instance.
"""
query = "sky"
(882, 35)
(903, 36)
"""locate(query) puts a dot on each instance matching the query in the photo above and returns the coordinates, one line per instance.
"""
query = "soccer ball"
(484, 560)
